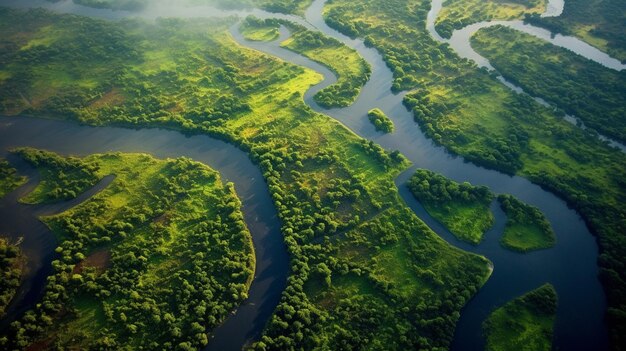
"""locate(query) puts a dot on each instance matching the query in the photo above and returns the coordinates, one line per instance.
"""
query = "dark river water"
(272, 261)
(571, 266)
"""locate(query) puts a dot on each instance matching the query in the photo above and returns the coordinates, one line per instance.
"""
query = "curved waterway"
(460, 43)
(21, 221)
(571, 266)
(18, 220)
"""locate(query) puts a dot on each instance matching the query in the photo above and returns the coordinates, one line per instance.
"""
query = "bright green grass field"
(468, 222)
(525, 237)
(351, 69)
(156, 259)
(469, 112)
(462, 208)
(526, 227)
(525, 324)
(258, 30)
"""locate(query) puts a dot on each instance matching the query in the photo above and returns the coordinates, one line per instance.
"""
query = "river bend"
(571, 266)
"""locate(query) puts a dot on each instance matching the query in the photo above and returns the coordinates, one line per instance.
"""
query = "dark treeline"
(469, 112)
(11, 266)
(61, 178)
(433, 187)
(461, 207)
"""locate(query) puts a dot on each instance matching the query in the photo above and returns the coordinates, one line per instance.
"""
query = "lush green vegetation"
(526, 323)
(380, 120)
(456, 14)
(472, 114)
(462, 208)
(11, 267)
(601, 23)
(588, 90)
(387, 281)
(61, 179)
(9, 179)
(526, 227)
(351, 69)
(255, 29)
(154, 260)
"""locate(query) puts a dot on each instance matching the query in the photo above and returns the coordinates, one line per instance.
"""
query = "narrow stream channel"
(571, 266)
(460, 42)
(22, 222)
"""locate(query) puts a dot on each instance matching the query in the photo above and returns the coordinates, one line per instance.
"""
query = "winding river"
(571, 266)
(272, 261)
(460, 42)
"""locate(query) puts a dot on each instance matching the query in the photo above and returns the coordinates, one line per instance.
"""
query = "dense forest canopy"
(61, 178)
(472, 114)
(9, 179)
(162, 254)
(354, 244)
(380, 120)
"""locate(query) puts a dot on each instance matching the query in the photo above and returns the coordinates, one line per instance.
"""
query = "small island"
(255, 29)
(526, 323)
(462, 208)
(526, 227)
(380, 120)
